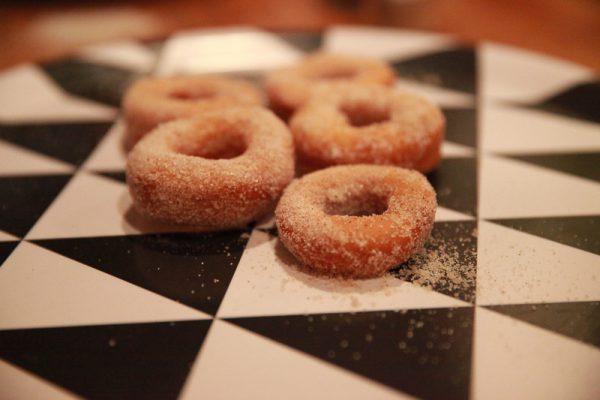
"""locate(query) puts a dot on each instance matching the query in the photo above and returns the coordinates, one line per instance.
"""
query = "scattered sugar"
(439, 266)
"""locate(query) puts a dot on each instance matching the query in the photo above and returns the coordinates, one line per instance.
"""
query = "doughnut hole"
(193, 94)
(222, 145)
(356, 204)
(363, 114)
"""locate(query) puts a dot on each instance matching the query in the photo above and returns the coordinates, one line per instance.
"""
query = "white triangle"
(7, 237)
(519, 75)
(17, 160)
(516, 360)
(439, 95)
(450, 150)
(515, 267)
(511, 189)
(395, 44)
(514, 130)
(28, 95)
(39, 288)
(264, 369)
(18, 384)
(445, 214)
(124, 54)
(222, 50)
(110, 154)
(267, 281)
(92, 205)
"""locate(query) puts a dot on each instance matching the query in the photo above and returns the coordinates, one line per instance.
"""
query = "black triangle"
(580, 101)
(460, 126)
(455, 182)
(426, 353)
(307, 42)
(448, 263)
(110, 361)
(23, 199)
(586, 165)
(101, 83)
(580, 232)
(454, 69)
(578, 320)
(5, 249)
(192, 268)
(70, 142)
(116, 175)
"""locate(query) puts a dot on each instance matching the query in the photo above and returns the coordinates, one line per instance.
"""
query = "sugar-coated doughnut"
(222, 169)
(356, 220)
(152, 101)
(350, 123)
(288, 88)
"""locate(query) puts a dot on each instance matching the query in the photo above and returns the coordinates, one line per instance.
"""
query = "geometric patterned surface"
(503, 302)
(25, 198)
(109, 361)
(362, 342)
(50, 139)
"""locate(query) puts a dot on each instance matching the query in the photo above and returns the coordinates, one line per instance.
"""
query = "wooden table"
(34, 32)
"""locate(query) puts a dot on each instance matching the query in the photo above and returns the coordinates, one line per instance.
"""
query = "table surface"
(504, 301)
(34, 31)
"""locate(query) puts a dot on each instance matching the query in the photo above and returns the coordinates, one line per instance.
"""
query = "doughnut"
(356, 221)
(350, 123)
(288, 88)
(152, 101)
(219, 170)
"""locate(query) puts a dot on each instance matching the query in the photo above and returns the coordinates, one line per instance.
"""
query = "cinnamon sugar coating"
(350, 123)
(289, 88)
(356, 221)
(220, 170)
(152, 101)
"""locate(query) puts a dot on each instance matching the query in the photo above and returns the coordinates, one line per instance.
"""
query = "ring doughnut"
(222, 169)
(152, 101)
(290, 87)
(349, 123)
(356, 221)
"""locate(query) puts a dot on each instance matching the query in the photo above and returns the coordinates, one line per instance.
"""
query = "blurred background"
(43, 30)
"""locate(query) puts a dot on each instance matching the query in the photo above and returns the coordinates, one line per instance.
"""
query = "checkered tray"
(97, 302)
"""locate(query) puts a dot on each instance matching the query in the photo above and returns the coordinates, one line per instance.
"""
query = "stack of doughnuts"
(205, 152)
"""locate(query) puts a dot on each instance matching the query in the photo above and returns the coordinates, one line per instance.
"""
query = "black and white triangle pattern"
(97, 302)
